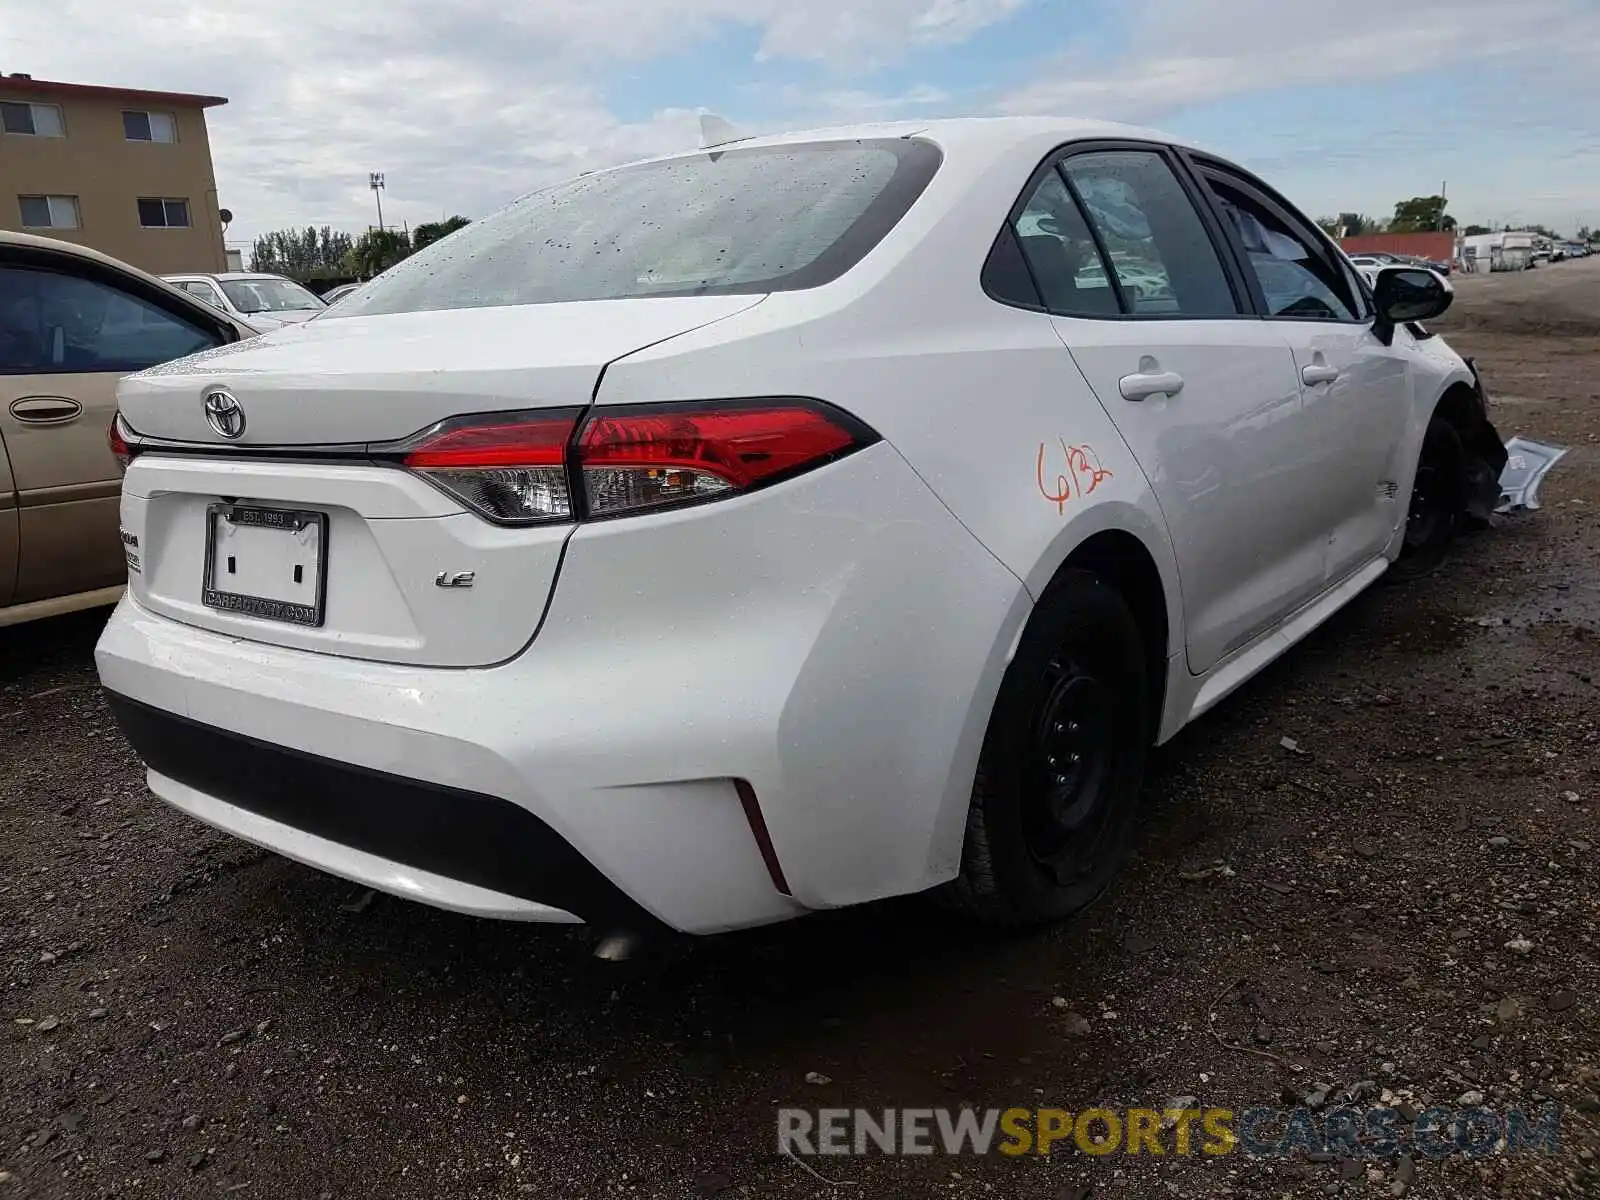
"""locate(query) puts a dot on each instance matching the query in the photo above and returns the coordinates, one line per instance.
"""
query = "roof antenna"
(715, 131)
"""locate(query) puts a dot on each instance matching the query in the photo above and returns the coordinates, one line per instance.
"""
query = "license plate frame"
(289, 521)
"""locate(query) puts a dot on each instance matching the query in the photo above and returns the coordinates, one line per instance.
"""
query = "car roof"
(55, 245)
(225, 275)
(73, 250)
(993, 133)
(58, 246)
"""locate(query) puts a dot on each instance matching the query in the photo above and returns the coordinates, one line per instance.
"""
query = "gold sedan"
(73, 321)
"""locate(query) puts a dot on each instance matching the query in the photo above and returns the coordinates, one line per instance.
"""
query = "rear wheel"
(1436, 502)
(1055, 801)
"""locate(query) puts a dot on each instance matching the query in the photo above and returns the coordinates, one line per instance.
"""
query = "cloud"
(463, 106)
(1179, 55)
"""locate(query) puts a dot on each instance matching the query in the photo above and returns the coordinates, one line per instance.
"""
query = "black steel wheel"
(1437, 495)
(1055, 802)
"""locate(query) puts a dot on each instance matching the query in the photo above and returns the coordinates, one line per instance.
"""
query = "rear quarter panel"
(981, 400)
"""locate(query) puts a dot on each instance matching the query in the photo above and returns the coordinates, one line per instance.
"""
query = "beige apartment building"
(127, 172)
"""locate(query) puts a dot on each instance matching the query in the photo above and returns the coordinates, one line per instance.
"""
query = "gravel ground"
(1404, 900)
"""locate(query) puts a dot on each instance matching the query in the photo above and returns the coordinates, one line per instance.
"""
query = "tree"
(301, 253)
(1475, 230)
(427, 235)
(1349, 224)
(376, 251)
(332, 246)
(1585, 234)
(1421, 213)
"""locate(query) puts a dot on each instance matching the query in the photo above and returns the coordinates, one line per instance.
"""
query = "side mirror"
(1403, 295)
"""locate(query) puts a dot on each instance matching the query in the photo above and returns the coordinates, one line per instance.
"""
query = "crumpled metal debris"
(1527, 463)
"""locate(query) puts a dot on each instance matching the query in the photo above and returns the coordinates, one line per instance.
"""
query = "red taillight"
(529, 442)
(119, 444)
(514, 467)
(655, 456)
(510, 467)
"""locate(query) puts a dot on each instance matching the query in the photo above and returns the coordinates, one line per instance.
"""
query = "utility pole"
(375, 182)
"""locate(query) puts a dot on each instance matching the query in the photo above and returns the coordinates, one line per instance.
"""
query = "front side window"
(149, 126)
(269, 295)
(1297, 280)
(164, 214)
(31, 120)
(55, 323)
(49, 212)
(743, 221)
(1356, 288)
(1158, 247)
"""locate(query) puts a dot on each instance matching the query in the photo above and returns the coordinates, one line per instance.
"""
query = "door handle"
(45, 410)
(1318, 373)
(1143, 386)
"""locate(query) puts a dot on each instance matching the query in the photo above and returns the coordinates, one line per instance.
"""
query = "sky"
(1344, 105)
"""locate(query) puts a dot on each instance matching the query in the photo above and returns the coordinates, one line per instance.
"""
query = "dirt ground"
(1408, 908)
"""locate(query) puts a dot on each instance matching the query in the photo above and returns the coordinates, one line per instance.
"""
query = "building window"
(31, 120)
(149, 126)
(49, 212)
(164, 214)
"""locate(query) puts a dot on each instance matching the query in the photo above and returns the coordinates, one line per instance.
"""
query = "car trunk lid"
(295, 534)
(355, 380)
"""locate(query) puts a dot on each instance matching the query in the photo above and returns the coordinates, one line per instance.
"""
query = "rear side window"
(51, 323)
(740, 221)
(1157, 244)
(202, 291)
(1061, 254)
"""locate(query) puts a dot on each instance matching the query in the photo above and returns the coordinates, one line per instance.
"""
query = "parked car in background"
(1370, 266)
(334, 295)
(703, 582)
(72, 321)
(265, 301)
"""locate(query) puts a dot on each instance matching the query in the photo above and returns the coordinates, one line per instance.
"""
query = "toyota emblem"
(224, 413)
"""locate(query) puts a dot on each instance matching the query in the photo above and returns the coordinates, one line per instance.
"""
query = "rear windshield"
(733, 222)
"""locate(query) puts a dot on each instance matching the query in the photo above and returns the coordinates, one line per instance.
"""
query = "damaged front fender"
(1486, 454)
(1526, 468)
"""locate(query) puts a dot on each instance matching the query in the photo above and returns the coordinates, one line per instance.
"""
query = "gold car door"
(69, 329)
(8, 529)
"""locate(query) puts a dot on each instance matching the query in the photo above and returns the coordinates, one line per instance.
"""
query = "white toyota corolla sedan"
(775, 527)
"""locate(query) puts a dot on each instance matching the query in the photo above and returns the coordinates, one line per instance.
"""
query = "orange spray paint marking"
(1062, 483)
(1084, 473)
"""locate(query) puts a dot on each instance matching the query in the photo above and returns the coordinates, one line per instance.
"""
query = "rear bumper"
(445, 846)
(835, 642)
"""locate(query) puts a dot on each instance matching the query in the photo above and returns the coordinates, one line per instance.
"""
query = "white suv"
(747, 532)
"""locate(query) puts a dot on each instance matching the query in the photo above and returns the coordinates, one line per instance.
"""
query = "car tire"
(1435, 507)
(1055, 800)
